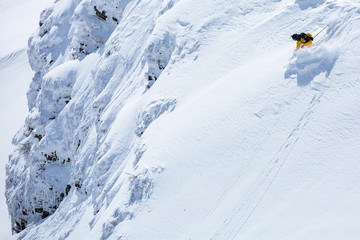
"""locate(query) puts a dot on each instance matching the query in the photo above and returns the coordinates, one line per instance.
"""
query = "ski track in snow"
(248, 203)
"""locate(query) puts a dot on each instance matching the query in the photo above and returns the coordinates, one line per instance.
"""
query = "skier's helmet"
(295, 37)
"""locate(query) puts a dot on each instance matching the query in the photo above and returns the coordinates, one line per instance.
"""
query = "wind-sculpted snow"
(172, 119)
(73, 29)
(158, 55)
(70, 106)
(304, 4)
(152, 112)
(88, 33)
(109, 226)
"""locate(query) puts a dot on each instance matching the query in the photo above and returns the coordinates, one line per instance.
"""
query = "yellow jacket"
(303, 43)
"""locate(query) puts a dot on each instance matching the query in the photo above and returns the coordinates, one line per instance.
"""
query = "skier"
(303, 39)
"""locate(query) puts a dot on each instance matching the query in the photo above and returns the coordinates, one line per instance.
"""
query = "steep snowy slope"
(188, 119)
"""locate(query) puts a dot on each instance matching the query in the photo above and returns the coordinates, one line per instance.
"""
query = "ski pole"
(321, 31)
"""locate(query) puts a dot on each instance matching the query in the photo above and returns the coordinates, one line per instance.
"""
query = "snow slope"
(17, 23)
(190, 120)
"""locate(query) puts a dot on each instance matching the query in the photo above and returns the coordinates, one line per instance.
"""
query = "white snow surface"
(180, 119)
(17, 23)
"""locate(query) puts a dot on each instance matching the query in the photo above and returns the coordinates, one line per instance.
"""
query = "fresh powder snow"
(179, 119)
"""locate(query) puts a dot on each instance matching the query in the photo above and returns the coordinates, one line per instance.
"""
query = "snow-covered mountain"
(180, 119)
(15, 77)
